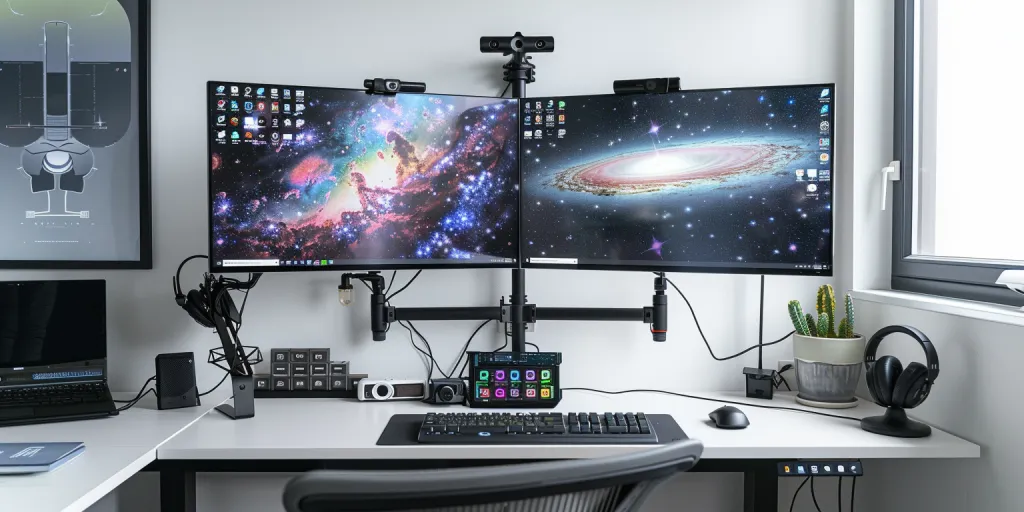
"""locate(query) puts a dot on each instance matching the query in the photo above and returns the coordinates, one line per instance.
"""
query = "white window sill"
(965, 308)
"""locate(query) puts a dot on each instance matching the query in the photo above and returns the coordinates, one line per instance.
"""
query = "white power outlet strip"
(789, 375)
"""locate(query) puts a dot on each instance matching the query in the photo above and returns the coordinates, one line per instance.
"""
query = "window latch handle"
(889, 173)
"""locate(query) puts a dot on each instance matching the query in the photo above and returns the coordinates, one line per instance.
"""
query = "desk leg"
(177, 490)
(761, 487)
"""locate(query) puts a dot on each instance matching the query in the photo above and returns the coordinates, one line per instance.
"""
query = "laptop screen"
(46, 323)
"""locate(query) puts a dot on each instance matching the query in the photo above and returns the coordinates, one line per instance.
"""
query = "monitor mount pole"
(517, 312)
(760, 382)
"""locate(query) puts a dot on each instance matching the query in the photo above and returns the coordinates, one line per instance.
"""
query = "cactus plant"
(844, 329)
(829, 299)
(823, 322)
(825, 325)
(849, 314)
(796, 314)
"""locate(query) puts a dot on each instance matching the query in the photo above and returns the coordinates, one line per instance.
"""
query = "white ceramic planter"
(828, 370)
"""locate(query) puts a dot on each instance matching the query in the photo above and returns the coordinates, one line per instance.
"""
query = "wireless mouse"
(729, 417)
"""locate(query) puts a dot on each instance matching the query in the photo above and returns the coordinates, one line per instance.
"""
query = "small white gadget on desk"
(380, 390)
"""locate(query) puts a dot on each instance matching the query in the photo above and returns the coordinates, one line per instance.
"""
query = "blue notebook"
(21, 458)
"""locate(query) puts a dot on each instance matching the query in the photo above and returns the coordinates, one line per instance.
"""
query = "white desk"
(331, 429)
(302, 434)
(116, 448)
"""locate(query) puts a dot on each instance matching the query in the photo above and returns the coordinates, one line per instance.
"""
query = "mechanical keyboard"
(537, 428)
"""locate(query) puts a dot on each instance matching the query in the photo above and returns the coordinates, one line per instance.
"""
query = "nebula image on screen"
(710, 180)
(304, 176)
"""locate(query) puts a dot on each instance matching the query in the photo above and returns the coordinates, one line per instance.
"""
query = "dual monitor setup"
(715, 180)
(305, 178)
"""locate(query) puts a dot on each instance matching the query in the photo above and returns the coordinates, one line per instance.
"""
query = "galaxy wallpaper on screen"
(736, 178)
(317, 176)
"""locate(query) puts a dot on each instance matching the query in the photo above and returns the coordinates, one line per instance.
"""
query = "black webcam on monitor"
(392, 86)
(646, 85)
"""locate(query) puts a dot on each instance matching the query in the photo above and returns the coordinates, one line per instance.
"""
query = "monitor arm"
(382, 313)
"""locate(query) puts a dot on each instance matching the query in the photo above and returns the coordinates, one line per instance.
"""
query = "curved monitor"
(315, 178)
(717, 180)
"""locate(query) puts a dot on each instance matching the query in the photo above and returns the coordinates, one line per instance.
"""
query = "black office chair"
(610, 484)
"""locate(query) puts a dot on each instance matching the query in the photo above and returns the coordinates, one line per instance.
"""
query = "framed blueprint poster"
(74, 134)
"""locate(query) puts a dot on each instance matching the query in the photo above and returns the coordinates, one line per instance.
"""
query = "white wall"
(708, 43)
(975, 397)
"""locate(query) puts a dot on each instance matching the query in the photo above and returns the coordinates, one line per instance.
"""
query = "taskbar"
(271, 263)
(633, 264)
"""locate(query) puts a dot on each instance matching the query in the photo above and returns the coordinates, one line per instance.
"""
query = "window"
(959, 207)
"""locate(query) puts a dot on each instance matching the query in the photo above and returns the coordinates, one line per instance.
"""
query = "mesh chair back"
(610, 484)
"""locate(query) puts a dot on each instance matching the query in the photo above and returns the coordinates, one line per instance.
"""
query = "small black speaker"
(176, 381)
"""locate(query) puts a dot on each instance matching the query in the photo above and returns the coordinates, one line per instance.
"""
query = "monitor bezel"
(393, 265)
(693, 268)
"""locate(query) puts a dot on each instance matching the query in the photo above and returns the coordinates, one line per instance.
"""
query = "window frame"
(949, 277)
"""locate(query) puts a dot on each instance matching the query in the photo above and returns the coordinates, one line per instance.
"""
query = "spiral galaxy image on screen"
(733, 178)
(367, 179)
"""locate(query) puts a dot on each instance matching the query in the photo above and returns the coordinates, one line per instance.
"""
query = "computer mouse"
(729, 417)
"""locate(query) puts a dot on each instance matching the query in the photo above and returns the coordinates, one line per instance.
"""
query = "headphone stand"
(244, 399)
(895, 423)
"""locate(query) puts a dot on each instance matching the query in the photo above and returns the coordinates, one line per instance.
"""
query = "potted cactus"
(828, 356)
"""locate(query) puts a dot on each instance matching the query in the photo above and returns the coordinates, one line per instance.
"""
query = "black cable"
(390, 282)
(534, 345)
(853, 492)
(430, 350)
(241, 310)
(839, 494)
(703, 337)
(506, 90)
(778, 379)
(503, 345)
(465, 348)
(222, 379)
(133, 402)
(430, 369)
(795, 494)
(695, 397)
(387, 298)
(140, 393)
(814, 498)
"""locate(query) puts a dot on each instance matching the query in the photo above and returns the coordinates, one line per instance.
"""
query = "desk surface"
(296, 429)
(116, 448)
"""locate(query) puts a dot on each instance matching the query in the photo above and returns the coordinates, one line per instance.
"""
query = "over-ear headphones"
(212, 296)
(892, 385)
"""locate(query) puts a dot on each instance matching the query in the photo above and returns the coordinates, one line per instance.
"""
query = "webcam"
(517, 44)
(392, 86)
(646, 85)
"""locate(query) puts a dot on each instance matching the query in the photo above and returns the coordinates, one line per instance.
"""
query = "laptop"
(53, 351)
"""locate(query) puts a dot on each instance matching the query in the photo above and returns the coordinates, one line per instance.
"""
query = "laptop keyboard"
(57, 394)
